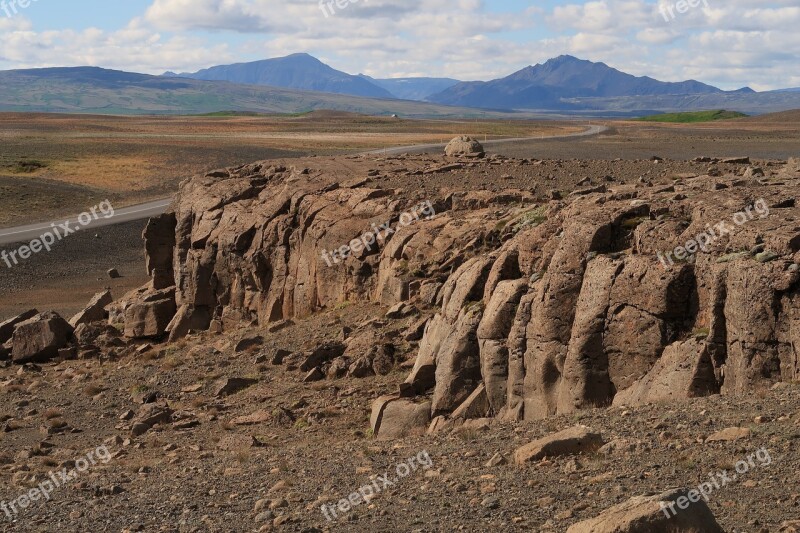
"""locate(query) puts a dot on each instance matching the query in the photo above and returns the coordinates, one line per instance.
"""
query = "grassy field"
(693, 117)
(51, 165)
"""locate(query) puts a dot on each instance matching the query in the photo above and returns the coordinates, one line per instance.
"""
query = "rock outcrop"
(617, 295)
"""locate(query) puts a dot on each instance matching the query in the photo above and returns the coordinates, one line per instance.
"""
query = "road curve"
(27, 233)
(125, 214)
(420, 148)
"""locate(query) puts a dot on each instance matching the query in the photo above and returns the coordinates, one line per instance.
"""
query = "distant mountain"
(103, 91)
(794, 90)
(297, 71)
(413, 88)
(544, 86)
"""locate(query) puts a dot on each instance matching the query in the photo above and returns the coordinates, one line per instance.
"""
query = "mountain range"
(300, 82)
(546, 86)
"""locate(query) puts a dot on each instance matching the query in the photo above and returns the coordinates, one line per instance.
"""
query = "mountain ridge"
(560, 86)
(296, 71)
(546, 85)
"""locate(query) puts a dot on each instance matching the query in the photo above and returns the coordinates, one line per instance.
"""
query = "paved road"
(125, 214)
(157, 207)
(422, 148)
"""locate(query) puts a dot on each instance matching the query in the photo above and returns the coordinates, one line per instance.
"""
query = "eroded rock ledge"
(542, 306)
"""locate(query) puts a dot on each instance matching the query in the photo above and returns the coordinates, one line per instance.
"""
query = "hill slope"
(97, 90)
(296, 71)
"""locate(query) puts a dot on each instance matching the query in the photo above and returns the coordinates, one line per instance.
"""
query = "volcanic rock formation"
(550, 306)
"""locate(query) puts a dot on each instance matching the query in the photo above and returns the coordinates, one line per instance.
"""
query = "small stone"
(730, 434)
(228, 386)
(490, 502)
(766, 256)
(139, 429)
(113, 273)
(315, 374)
(496, 460)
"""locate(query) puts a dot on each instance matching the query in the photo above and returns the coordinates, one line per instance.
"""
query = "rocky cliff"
(615, 294)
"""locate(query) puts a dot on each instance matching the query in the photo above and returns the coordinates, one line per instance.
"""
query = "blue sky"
(730, 43)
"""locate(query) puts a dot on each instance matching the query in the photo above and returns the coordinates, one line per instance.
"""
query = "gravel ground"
(314, 447)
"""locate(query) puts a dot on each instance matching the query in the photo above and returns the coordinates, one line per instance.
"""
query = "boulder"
(464, 146)
(475, 406)
(149, 415)
(315, 374)
(96, 334)
(572, 441)
(188, 318)
(394, 417)
(40, 338)
(228, 386)
(674, 511)
(149, 314)
(248, 343)
(95, 310)
(7, 327)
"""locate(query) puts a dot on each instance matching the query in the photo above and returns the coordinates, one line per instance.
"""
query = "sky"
(728, 43)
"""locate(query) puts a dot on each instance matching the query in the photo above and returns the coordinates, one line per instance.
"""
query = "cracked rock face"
(618, 295)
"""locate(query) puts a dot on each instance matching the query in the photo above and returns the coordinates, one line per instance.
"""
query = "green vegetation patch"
(530, 219)
(692, 117)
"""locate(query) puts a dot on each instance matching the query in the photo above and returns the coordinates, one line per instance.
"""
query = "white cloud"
(732, 42)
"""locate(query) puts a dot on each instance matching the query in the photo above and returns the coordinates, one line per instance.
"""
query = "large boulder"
(674, 511)
(464, 146)
(572, 441)
(95, 310)
(394, 417)
(188, 318)
(149, 313)
(40, 338)
(7, 327)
